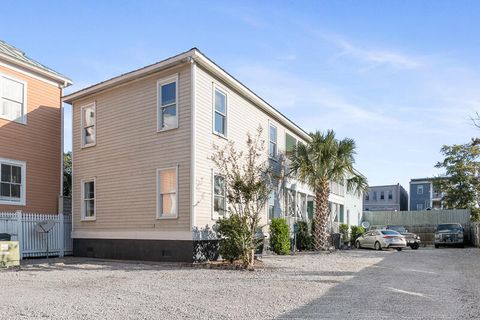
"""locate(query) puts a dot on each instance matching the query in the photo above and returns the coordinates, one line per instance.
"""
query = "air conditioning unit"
(9, 253)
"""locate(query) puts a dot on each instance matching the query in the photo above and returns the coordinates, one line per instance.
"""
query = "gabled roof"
(192, 55)
(15, 55)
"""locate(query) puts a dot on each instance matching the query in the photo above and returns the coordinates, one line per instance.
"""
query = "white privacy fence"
(21, 226)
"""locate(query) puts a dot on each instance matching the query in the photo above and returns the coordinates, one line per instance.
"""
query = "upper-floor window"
(375, 195)
(382, 195)
(167, 95)
(390, 195)
(12, 99)
(220, 112)
(419, 189)
(219, 196)
(88, 199)
(167, 202)
(272, 138)
(88, 125)
(12, 182)
(367, 196)
(290, 143)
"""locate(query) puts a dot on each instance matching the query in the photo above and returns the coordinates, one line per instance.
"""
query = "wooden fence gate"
(21, 226)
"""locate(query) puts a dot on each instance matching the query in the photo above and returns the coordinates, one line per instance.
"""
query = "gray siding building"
(423, 195)
(386, 198)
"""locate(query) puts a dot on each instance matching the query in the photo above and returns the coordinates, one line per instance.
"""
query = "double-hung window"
(12, 182)
(167, 94)
(12, 99)
(382, 195)
(419, 189)
(271, 206)
(220, 112)
(88, 199)
(167, 200)
(272, 138)
(219, 196)
(390, 195)
(88, 125)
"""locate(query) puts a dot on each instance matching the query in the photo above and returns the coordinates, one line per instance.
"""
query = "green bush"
(229, 229)
(475, 214)
(279, 236)
(344, 231)
(357, 231)
(303, 236)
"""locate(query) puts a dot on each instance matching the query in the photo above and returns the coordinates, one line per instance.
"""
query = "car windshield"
(452, 226)
(389, 232)
(398, 229)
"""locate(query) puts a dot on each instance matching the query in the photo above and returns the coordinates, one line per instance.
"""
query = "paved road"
(424, 284)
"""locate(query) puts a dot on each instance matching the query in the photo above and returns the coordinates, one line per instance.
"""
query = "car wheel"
(437, 246)
(415, 246)
(357, 245)
(378, 247)
(399, 249)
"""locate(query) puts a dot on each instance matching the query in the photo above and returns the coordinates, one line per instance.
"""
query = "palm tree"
(317, 163)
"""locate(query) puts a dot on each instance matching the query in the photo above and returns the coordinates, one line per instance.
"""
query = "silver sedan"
(379, 239)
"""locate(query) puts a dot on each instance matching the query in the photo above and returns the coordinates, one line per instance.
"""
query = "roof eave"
(62, 81)
(127, 77)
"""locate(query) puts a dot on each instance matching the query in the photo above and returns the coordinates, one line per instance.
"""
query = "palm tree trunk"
(321, 216)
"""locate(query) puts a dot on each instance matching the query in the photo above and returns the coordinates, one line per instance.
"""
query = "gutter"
(63, 81)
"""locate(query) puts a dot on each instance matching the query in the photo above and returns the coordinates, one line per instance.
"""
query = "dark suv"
(448, 234)
(413, 241)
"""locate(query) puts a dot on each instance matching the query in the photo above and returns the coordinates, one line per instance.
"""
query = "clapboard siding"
(37, 143)
(242, 117)
(127, 153)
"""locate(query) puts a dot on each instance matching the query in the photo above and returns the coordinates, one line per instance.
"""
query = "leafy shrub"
(357, 231)
(279, 236)
(475, 214)
(303, 236)
(230, 231)
(344, 231)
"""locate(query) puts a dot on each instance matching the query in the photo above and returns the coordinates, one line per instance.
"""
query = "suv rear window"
(450, 226)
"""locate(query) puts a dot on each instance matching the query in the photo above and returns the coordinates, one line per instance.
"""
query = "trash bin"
(5, 237)
(337, 240)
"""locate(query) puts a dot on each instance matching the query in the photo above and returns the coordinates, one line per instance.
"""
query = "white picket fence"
(21, 226)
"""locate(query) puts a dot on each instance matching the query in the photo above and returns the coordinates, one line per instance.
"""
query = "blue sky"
(400, 77)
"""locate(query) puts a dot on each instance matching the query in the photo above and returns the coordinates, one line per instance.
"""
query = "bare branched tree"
(248, 182)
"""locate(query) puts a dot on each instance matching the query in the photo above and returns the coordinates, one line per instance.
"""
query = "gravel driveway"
(349, 284)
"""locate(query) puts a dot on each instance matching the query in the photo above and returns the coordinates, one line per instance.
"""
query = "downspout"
(193, 98)
(62, 128)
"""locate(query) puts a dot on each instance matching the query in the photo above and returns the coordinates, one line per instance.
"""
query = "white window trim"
(225, 93)
(274, 157)
(82, 205)
(161, 82)
(420, 187)
(25, 105)
(82, 121)
(157, 195)
(216, 216)
(23, 190)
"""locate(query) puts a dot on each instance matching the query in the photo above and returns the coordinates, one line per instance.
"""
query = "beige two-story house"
(143, 179)
(31, 130)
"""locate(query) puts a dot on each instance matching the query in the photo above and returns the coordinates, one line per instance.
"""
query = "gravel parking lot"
(357, 284)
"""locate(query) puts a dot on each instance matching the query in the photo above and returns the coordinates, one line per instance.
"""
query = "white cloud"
(374, 56)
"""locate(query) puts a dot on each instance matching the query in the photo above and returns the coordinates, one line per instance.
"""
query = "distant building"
(386, 198)
(423, 195)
